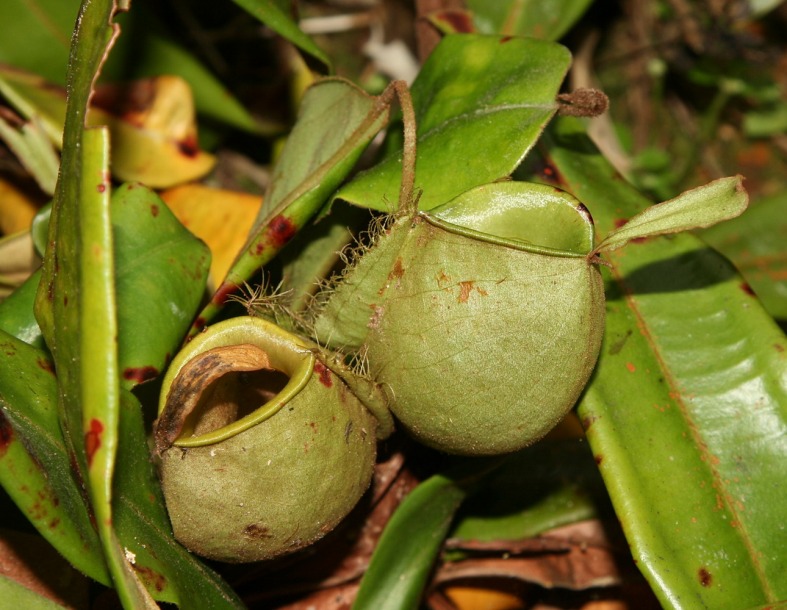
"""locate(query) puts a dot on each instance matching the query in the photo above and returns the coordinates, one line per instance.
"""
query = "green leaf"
(685, 414)
(16, 313)
(700, 207)
(480, 102)
(161, 271)
(401, 563)
(273, 15)
(35, 468)
(75, 305)
(755, 242)
(544, 20)
(37, 39)
(17, 596)
(337, 121)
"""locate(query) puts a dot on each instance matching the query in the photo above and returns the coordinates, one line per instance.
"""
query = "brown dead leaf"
(575, 557)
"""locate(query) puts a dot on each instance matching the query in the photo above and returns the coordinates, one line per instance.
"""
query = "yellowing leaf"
(16, 209)
(220, 218)
(154, 135)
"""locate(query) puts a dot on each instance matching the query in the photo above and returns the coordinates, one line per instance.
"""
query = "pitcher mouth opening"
(225, 390)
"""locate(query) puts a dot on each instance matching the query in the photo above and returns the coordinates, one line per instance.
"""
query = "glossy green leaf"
(337, 121)
(755, 242)
(408, 548)
(15, 595)
(161, 271)
(16, 313)
(480, 103)
(544, 20)
(686, 412)
(272, 14)
(75, 304)
(35, 469)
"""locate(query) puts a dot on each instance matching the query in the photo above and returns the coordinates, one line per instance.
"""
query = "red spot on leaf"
(747, 288)
(223, 292)
(47, 365)
(282, 230)
(188, 147)
(631, 368)
(140, 374)
(93, 439)
(505, 39)
(101, 188)
(705, 577)
(460, 21)
(324, 374)
(153, 579)
(620, 222)
(6, 434)
(599, 458)
(154, 210)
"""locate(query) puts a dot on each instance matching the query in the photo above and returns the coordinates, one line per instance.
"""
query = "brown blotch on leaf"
(188, 147)
(154, 210)
(746, 287)
(46, 365)
(257, 531)
(705, 577)
(154, 580)
(583, 103)
(461, 22)
(6, 434)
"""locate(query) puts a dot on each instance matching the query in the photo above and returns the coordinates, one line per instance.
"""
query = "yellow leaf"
(220, 218)
(16, 209)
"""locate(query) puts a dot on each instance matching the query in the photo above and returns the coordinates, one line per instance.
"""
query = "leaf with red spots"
(161, 270)
(35, 469)
(693, 432)
(337, 121)
(79, 324)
